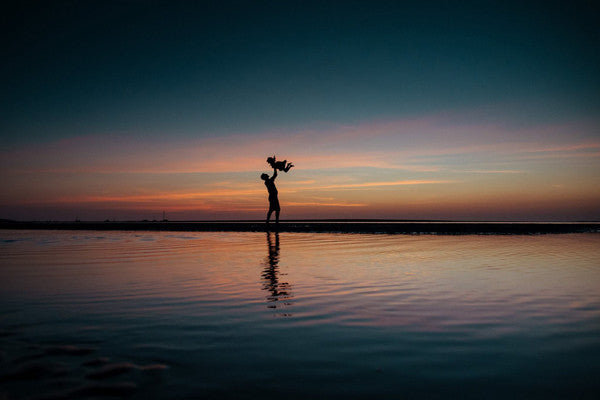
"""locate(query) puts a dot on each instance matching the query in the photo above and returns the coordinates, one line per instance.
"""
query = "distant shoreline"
(324, 226)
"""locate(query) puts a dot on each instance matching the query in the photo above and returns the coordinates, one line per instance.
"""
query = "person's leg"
(269, 215)
(277, 216)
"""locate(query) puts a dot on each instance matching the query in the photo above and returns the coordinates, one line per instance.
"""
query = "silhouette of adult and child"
(270, 184)
(279, 291)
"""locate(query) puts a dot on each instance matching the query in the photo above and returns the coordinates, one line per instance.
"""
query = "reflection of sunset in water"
(412, 307)
(420, 282)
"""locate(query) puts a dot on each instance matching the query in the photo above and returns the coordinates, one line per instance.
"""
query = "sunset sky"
(423, 110)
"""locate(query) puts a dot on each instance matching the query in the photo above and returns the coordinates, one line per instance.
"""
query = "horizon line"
(315, 220)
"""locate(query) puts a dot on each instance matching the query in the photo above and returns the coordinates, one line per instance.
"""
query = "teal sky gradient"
(109, 99)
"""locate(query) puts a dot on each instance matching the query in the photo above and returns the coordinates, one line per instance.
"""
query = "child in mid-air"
(280, 165)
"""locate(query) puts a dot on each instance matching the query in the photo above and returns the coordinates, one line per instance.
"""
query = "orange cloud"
(377, 184)
(324, 204)
(161, 196)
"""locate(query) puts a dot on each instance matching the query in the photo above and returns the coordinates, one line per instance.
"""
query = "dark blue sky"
(210, 67)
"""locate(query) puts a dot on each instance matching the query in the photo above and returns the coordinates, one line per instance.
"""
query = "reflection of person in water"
(273, 200)
(277, 290)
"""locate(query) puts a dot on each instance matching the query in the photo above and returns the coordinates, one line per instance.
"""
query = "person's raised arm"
(274, 174)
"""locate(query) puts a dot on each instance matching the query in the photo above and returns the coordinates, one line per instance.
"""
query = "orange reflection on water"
(417, 282)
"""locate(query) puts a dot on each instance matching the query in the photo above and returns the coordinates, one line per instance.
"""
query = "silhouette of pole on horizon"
(273, 199)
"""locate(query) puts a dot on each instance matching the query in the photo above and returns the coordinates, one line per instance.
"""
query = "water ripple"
(154, 315)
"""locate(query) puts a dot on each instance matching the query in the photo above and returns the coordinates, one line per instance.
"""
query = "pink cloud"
(381, 184)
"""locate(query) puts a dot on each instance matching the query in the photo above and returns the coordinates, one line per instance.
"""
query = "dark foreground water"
(296, 315)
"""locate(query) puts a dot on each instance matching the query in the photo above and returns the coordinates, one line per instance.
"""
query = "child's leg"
(287, 168)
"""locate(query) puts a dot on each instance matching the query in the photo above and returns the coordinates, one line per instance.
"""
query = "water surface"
(248, 315)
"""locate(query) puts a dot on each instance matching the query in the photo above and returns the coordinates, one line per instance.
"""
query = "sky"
(123, 110)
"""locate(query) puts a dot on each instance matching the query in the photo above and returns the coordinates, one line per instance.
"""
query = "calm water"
(252, 315)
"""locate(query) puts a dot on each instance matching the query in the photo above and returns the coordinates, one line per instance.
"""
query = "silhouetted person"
(273, 200)
(280, 165)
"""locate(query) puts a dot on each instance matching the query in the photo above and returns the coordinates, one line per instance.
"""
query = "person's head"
(270, 160)
(264, 177)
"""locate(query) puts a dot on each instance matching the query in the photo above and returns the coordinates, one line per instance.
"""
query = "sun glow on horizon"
(414, 169)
